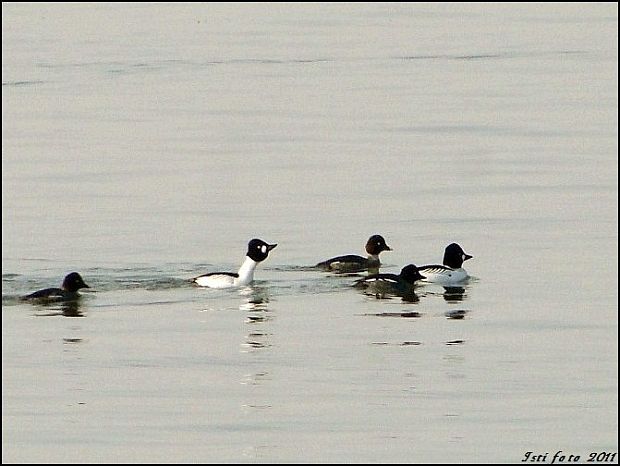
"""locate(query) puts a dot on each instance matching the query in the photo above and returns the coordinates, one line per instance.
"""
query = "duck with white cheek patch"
(258, 251)
(452, 271)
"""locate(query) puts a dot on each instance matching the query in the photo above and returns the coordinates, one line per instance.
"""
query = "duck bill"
(466, 257)
(271, 246)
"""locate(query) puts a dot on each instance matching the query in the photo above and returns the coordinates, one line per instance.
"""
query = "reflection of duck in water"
(258, 313)
(71, 309)
(66, 309)
(453, 293)
(452, 271)
(66, 293)
(382, 284)
(351, 263)
(257, 298)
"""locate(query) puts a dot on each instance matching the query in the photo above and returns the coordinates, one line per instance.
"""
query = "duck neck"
(373, 264)
(246, 271)
(373, 259)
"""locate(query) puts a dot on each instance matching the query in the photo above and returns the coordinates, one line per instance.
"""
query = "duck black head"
(376, 244)
(411, 274)
(454, 256)
(258, 250)
(73, 282)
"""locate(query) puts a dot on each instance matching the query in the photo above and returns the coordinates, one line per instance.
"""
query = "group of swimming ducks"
(450, 273)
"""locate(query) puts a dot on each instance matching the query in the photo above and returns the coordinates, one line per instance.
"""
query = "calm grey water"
(144, 144)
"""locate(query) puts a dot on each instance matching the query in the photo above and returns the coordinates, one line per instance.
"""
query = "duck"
(452, 271)
(68, 291)
(351, 263)
(381, 284)
(258, 251)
